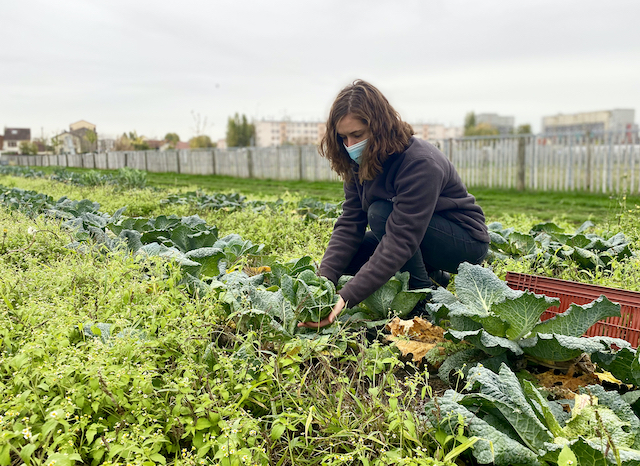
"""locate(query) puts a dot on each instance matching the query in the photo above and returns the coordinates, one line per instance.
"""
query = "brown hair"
(389, 134)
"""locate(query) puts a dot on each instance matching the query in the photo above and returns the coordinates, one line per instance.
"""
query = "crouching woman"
(420, 216)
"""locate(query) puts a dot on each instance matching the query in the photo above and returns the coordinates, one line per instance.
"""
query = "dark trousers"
(444, 247)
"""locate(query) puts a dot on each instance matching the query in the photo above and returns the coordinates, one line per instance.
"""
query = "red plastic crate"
(626, 327)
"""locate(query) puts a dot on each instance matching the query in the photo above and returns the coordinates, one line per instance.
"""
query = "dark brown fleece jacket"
(420, 181)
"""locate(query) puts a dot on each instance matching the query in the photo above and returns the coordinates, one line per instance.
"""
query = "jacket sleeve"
(347, 235)
(418, 184)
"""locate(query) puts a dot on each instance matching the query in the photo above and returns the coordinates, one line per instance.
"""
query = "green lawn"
(573, 207)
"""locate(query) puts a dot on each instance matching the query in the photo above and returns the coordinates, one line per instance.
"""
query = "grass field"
(109, 357)
(573, 207)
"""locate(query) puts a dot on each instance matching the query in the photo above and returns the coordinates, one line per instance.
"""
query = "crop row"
(546, 244)
(242, 373)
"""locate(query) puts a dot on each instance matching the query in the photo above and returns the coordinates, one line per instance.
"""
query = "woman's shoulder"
(422, 149)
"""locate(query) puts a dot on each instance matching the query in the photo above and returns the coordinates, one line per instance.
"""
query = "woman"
(422, 218)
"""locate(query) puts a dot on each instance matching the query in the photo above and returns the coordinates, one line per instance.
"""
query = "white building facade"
(271, 133)
(599, 121)
(437, 132)
(13, 137)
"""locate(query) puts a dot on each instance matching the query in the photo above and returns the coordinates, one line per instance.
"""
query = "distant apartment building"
(437, 132)
(277, 133)
(504, 124)
(605, 120)
(280, 132)
(13, 137)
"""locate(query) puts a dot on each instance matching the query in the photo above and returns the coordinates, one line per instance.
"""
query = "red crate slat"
(626, 327)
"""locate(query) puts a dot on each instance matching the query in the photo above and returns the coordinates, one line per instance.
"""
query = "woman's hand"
(328, 320)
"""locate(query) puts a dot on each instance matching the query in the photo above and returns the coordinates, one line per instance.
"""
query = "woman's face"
(352, 130)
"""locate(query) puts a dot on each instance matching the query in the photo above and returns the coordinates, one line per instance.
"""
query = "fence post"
(300, 167)
(178, 160)
(213, 160)
(520, 181)
(250, 162)
(450, 149)
(588, 170)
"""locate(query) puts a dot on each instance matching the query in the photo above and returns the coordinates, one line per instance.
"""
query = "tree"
(240, 133)
(469, 121)
(483, 129)
(173, 139)
(199, 122)
(123, 143)
(138, 142)
(28, 148)
(524, 129)
(201, 142)
(55, 144)
(91, 138)
(473, 129)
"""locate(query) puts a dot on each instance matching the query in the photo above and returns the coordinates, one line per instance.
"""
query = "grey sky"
(147, 65)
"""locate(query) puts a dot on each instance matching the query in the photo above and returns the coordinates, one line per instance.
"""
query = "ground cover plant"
(309, 208)
(114, 361)
(172, 338)
(125, 178)
(549, 245)
(511, 207)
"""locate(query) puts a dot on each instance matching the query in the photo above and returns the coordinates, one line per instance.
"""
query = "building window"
(12, 144)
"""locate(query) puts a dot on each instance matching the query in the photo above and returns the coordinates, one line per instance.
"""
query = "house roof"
(80, 132)
(17, 134)
(182, 145)
(155, 143)
(82, 124)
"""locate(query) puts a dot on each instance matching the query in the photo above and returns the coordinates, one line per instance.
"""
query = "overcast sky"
(150, 66)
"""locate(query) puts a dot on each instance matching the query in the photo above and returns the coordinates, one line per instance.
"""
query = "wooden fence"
(283, 163)
(607, 163)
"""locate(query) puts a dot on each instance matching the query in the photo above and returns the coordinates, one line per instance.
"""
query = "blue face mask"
(355, 151)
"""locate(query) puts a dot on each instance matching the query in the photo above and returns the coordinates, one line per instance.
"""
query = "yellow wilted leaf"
(417, 329)
(417, 348)
(251, 271)
(422, 336)
(607, 377)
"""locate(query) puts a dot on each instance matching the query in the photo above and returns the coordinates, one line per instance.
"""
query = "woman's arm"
(347, 235)
(418, 184)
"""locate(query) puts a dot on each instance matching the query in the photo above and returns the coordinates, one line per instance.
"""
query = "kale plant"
(548, 244)
(505, 323)
(516, 423)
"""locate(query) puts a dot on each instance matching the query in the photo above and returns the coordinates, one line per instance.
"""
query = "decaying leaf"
(416, 348)
(565, 385)
(415, 337)
(606, 376)
(417, 329)
(252, 271)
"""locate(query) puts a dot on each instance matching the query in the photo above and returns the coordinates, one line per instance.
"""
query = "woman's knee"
(377, 216)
